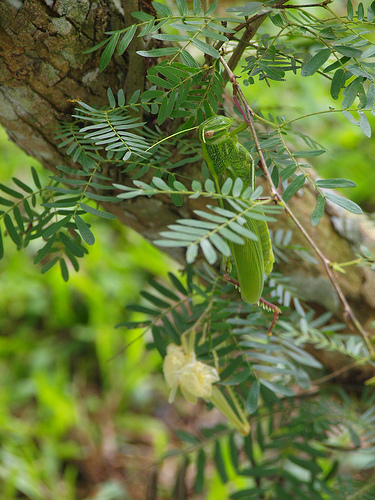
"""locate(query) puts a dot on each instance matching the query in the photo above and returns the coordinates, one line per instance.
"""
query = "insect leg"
(268, 306)
(231, 280)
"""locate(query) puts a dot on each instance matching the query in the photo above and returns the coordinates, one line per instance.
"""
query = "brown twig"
(251, 26)
(339, 371)
(322, 4)
(348, 312)
(135, 75)
(250, 30)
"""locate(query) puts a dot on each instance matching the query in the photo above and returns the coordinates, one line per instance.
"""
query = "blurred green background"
(80, 417)
(65, 407)
(350, 154)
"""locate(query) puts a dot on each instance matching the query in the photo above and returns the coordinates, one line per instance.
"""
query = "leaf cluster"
(199, 27)
(52, 215)
(267, 376)
(290, 450)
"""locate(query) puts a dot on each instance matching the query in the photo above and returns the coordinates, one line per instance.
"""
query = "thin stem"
(350, 262)
(166, 312)
(331, 110)
(272, 44)
(359, 494)
(251, 26)
(348, 312)
(322, 4)
(341, 370)
(170, 136)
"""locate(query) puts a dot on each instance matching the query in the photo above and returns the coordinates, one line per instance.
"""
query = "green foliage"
(219, 224)
(56, 378)
(198, 26)
(179, 87)
(39, 219)
(297, 448)
(297, 441)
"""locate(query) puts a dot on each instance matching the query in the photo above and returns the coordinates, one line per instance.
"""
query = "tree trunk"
(44, 68)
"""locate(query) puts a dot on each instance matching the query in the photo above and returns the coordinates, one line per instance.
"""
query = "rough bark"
(43, 68)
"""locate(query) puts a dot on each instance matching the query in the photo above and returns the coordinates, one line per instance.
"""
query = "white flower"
(172, 367)
(196, 380)
(194, 377)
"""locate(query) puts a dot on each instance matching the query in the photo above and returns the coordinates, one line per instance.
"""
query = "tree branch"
(136, 65)
(251, 26)
(322, 4)
(348, 312)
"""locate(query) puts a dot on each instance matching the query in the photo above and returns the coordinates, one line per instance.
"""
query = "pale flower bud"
(172, 367)
(196, 380)
(194, 377)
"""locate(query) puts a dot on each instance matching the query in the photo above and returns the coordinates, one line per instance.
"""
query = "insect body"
(226, 157)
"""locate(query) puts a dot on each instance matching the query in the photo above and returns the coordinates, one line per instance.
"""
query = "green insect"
(226, 157)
